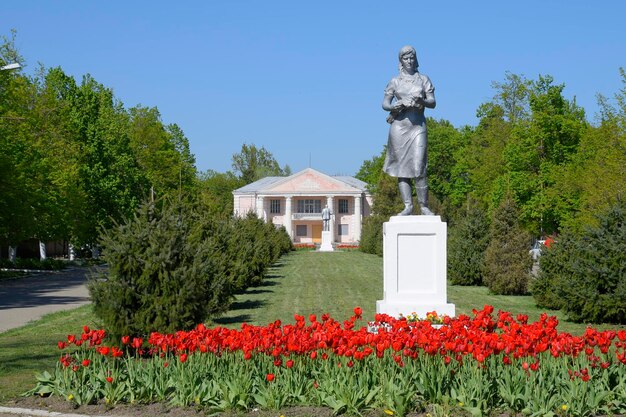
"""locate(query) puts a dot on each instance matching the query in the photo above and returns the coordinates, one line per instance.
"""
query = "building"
(296, 202)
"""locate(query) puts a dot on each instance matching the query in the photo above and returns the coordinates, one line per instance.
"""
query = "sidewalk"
(12, 412)
(29, 298)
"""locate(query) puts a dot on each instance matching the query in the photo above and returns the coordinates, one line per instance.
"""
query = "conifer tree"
(166, 271)
(467, 245)
(507, 262)
(585, 273)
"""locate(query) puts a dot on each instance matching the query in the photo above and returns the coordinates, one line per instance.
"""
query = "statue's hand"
(398, 106)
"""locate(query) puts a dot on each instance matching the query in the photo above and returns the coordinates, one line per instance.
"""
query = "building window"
(275, 206)
(343, 206)
(342, 230)
(301, 230)
(309, 206)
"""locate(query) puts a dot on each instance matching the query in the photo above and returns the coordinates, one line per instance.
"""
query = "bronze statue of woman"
(406, 96)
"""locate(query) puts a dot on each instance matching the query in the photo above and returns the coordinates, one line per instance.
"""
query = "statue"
(406, 96)
(326, 218)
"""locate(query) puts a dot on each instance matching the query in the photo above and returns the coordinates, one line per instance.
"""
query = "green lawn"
(33, 348)
(312, 282)
(303, 283)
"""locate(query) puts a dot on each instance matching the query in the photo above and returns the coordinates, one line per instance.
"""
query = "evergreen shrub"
(372, 234)
(507, 261)
(585, 273)
(468, 242)
(166, 271)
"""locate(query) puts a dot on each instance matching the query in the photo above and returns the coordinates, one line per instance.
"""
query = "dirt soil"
(56, 404)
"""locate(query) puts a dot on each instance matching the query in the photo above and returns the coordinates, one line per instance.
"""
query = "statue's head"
(408, 51)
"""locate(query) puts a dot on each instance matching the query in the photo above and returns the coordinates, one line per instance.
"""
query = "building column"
(260, 210)
(356, 235)
(12, 253)
(331, 222)
(287, 221)
(42, 251)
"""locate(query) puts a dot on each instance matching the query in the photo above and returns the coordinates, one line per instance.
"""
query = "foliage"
(595, 177)
(585, 274)
(162, 152)
(444, 146)
(164, 271)
(253, 246)
(372, 234)
(507, 262)
(215, 192)
(74, 160)
(480, 365)
(28, 263)
(252, 164)
(386, 203)
(371, 170)
(469, 238)
(171, 266)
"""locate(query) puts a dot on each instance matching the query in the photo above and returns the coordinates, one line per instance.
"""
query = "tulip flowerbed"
(478, 365)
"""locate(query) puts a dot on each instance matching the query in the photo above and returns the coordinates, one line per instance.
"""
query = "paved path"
(29, 298)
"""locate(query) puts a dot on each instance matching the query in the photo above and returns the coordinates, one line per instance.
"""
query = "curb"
(40, 413)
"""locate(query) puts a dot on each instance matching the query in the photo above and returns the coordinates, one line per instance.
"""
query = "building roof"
(309, 181)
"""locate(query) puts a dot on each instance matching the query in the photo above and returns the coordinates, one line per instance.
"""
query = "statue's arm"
(388, 104)
(429, 94)
(429, 100)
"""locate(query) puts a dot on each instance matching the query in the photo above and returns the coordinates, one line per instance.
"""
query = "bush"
(468, 242)
(585, 274)
(507, 262)
(372, 234)
(166, 271)
(30, 263)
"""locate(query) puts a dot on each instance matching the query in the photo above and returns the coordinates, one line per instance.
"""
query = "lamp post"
(10, 67)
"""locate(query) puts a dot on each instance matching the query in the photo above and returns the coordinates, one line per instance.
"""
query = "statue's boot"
(407, 198)
(422, 201)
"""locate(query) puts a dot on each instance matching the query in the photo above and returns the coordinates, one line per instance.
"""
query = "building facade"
(296, 202)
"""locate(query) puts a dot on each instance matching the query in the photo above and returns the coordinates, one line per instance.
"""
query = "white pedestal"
(327, 242)
(415, 262)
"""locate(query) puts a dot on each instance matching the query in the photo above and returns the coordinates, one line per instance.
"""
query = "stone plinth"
(327, 242)
(415, 262)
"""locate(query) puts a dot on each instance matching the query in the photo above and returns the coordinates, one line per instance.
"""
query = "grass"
(30, 349)
(308, 282)
(303, 282)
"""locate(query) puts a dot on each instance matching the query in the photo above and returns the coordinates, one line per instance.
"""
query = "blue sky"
(306, 79)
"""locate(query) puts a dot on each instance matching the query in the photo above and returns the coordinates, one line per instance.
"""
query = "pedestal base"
(414, 258)
(327, 242)
(397, 309)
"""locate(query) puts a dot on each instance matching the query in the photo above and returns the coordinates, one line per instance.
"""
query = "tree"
(161, 151)
(371, 170)
(110, 176)
(507, 262)
(386, 203)
(539, 149)
(215, 192)
(166, 271)
(469, 238)
(594, 178)
(16, 222)
(585, 273)
(482, 159)
(444, 144)
(252, 164)
(512, 96)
